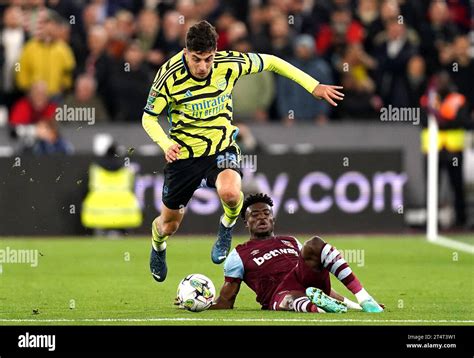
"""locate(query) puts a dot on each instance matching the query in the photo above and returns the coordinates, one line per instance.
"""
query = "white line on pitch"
(453, 244)
(187, 319)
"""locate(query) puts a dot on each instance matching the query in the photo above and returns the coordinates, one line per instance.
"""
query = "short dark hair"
(253, 199)
(201, 37)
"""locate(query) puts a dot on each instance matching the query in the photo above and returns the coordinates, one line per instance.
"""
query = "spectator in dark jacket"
(393, 56)
(49, 141)
(293, 102)
(127, 84)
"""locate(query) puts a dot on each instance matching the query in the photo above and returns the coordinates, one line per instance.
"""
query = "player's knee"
(230, 196)
(315, 244)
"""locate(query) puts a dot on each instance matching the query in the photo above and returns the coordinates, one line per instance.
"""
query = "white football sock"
(362, 295)
(351, 304)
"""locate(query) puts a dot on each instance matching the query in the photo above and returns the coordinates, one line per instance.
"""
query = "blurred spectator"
(451, 111)
(49, 141)
(417, 80)
(436, 34)
(208, 10)
(33, 108)
(392, 57)
(224, 24)
(294, 102)
(35, 61)
(121, 35)
(342, 30)
(367, 13)
(359, 65)
(253, 94)
(85, 97)
(281, 38)
(360, 102)
(98, 64)
(169, 38)
(12, 39)
(92, 16)
(459, 63)
(148, 25)
(34, 11)
(130, 84)
(148, 29)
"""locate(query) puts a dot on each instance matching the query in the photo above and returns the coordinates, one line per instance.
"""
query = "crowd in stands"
(105, 53)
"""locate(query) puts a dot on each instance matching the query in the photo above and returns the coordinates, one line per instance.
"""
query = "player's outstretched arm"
(227, 296)
(320, 91)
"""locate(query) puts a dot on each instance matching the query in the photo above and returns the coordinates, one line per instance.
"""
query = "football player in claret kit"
(285, 275)
(196, 87)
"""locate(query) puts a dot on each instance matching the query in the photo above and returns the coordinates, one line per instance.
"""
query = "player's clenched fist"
(172, 153)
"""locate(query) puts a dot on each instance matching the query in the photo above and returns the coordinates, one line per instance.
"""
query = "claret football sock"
(304, 304)
(333, 261)
(158, 241)
(231, 213)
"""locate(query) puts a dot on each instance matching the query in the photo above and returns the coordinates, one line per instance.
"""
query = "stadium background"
(330, 170)
(117, 46)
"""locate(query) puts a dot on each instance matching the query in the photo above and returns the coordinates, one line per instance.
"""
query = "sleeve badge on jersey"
(255, 60)
(222, 84)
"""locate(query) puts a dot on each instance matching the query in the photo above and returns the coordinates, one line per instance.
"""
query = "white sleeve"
(233, 266)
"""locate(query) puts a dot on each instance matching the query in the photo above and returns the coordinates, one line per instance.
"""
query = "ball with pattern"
(196, 293)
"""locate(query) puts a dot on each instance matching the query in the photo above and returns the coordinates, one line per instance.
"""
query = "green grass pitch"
(83, 281)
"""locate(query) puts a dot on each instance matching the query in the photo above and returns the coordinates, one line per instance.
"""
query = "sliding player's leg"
(162, 227)
(228, 185)
(294, 301)
(321, 256)
(290, 295)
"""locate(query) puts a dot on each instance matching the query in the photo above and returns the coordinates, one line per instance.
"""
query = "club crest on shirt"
(222, 84)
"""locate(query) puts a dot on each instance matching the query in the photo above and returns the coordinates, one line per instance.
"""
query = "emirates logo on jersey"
(274, 253)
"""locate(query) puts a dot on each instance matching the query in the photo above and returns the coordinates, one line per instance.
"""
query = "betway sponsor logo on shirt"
(274, 253)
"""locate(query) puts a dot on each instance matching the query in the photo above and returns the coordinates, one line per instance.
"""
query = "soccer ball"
(196, 293)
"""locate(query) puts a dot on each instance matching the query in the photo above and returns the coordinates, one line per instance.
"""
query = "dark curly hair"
(253, 199)
(201, 37)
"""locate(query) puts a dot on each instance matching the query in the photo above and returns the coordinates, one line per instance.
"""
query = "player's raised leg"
(322, 256)
(162, 227)
(228, 185)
